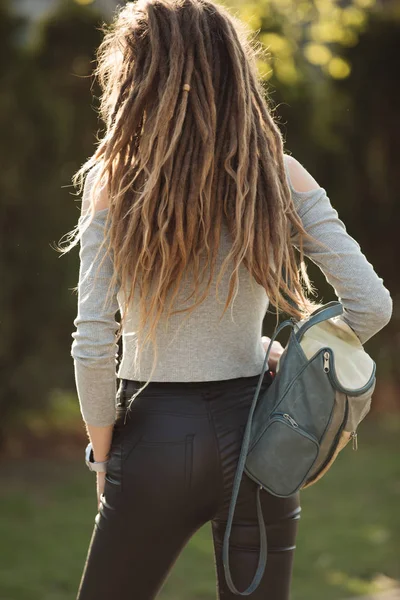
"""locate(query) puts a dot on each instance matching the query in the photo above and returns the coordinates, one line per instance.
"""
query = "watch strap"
(98, 466)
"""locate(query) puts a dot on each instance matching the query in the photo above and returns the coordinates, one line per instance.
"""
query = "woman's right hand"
(275, 354)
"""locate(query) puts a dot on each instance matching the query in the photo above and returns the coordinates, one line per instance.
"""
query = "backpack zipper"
(334, 444)
(287, 417)
(353, 434)
(290, 419)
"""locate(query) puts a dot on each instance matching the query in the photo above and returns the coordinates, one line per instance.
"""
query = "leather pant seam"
(189, 439)
(271, 549)
(221, 492)
(293, 515)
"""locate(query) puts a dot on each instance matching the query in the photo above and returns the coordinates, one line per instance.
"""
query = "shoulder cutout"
(299, 179)
(101, 202)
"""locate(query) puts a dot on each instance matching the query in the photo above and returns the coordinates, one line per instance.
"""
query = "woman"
(191, 172)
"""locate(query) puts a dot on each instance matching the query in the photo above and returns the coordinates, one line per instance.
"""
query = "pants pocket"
(159, 471)
(114, 465)
(115, 456)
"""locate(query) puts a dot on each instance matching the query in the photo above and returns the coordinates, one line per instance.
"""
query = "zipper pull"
(290, 419)
(326, 362)
(355, 442)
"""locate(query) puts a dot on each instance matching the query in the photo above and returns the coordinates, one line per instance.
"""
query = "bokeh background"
(331, 71)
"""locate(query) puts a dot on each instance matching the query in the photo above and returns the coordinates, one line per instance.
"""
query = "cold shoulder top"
(199, 347)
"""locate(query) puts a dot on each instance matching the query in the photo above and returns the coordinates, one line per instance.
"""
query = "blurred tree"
(329, 69)
(371, 149)
(332, 79)
(49, 127)
(304, 36)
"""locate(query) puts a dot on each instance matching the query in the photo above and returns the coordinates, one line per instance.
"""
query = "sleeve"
(94, 348)
(366, 301)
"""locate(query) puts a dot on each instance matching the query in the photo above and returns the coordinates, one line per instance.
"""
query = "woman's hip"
(183, 437)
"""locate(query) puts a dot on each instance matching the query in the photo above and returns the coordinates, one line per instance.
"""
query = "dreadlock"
(178, 164)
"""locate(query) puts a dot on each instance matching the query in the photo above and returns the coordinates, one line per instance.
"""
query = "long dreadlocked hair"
(177, 164)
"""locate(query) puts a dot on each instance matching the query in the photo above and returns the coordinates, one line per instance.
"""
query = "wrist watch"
(99, 467)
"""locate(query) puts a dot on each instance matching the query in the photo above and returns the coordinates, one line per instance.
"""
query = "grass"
(348, 541)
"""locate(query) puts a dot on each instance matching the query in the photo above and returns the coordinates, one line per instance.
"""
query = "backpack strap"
(329, 310)
(262, 561)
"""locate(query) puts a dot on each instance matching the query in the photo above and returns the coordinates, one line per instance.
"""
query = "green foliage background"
(330, 71)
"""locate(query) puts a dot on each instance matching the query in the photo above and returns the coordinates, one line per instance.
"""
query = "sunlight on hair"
(181, 165)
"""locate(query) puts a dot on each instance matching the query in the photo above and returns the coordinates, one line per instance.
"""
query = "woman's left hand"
(275, 354)
(101, 439)
(100, 487)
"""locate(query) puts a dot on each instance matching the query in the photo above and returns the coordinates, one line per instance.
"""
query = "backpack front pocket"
(285, 454)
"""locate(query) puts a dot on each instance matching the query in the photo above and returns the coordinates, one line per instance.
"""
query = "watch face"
(99, 467)
(89, 455)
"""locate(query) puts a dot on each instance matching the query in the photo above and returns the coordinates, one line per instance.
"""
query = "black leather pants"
(172, 464)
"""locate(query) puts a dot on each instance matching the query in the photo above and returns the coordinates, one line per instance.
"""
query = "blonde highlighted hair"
(178, 163)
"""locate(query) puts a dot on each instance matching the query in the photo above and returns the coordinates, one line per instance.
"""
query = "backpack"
(321, 392)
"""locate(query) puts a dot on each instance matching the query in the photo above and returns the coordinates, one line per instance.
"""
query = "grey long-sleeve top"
(201, 348)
